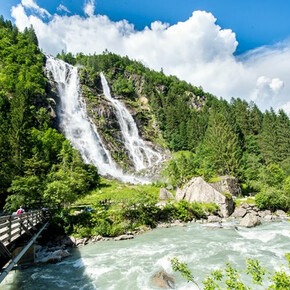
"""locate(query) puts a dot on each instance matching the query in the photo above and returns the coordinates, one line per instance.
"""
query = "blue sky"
(255, 22)
(232, 48)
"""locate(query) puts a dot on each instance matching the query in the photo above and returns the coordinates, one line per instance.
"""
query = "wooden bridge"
(12, 229)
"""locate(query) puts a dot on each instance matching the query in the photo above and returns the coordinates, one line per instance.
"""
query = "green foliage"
(181, 169)
(182, 268)
(222, 145)
(273, 199)
(230, 277)
(211, 282)
(281, 280)
(256, 271)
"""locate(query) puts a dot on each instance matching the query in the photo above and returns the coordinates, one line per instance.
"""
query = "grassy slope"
(118, 192)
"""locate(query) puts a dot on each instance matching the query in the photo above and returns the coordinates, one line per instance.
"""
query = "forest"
(212, 136)
(38, 166)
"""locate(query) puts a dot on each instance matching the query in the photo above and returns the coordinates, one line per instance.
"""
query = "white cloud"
(286, 107)
(196, 50)
(63, 8)
(267, 89)
(31, 4)
(89, 7)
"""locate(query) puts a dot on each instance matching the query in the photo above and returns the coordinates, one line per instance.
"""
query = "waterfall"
(141, 155)
(75, 123)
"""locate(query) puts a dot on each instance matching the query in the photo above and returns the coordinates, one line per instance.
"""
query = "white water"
(77, 126)
(131, 264)
(141, 155)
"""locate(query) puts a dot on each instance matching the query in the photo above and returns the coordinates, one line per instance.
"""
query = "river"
(131, 264)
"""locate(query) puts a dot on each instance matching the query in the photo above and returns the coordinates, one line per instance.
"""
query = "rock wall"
(104, 117)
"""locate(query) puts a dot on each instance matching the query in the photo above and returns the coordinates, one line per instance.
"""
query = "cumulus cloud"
(267, 88)
(89, 7)
(63, 8)
(31, 4)
(196, 50)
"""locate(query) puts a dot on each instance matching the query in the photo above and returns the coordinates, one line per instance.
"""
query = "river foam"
(131, 264)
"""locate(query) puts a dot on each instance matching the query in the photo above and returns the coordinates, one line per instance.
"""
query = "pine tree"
(222, 144)
(269, 137)
(283, 136)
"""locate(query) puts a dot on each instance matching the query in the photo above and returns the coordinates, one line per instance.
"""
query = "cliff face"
(103, 114)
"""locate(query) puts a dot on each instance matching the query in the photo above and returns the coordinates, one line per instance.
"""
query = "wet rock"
(213, 226)
(96, 238)
(163, 280)
(163, 225)
(53, 257)
(281, 213)
(253, 212)
(141, 230)
(268, 218)
(177, 223)
(250, 221)
(265, 213)
(239, 212)
(38, 248)
(124, 237)
(245, 205)
(214, 219)
(67, 242)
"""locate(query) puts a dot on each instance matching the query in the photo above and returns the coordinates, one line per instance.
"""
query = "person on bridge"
(20, 211)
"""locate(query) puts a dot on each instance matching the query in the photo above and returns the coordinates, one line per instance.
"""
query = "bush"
(273, 199)
(103, 228)
(185, 211)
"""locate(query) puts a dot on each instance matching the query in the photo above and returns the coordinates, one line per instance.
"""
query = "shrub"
(102, 228)
(273, 199)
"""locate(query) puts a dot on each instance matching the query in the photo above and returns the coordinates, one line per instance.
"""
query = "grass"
(214, 179)
(250, 199)
(118, 192)
(178, 154)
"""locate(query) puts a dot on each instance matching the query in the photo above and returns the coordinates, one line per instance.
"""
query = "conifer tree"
(222, 145)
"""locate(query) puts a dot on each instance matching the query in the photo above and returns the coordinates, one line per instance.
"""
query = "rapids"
(131, 264)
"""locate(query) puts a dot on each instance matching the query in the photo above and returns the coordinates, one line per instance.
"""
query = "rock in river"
(250, 220)
(163, 280)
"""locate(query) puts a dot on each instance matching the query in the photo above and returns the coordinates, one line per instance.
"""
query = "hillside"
(39, 166)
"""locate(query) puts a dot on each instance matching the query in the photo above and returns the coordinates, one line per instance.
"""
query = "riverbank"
(60, 247)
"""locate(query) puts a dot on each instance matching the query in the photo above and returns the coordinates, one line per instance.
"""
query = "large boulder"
(250, 220)
(198, 190)
(163, 280)
(165, 194)
(228, 184)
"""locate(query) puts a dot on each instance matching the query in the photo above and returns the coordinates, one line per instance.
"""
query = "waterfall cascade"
(141, 155)
(75, 123)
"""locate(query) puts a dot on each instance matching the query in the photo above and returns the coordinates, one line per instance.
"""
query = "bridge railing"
(14, 226)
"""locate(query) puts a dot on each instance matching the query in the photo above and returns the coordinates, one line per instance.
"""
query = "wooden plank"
(4, 218)
(4, 225)
(4, 233)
